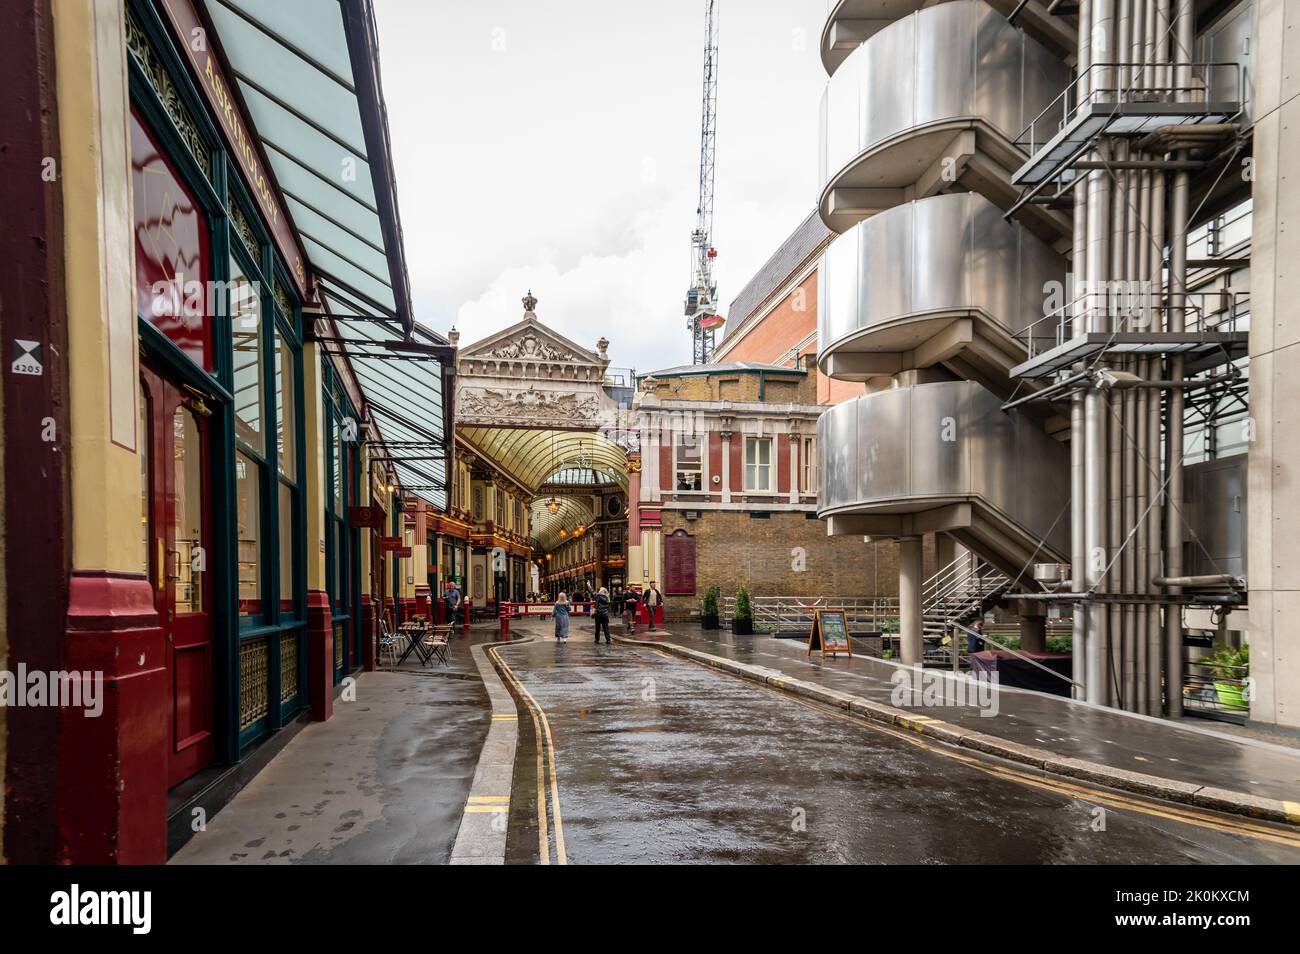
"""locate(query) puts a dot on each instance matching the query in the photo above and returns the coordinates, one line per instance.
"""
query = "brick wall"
(732, 548)
(789, 322)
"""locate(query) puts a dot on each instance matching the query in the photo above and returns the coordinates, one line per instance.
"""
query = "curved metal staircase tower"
(928, 297)
(970, 150)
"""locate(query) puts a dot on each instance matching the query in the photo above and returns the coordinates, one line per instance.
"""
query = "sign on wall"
(679, 564)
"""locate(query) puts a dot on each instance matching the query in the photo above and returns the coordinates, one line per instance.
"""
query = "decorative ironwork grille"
(288, 666)
(254, 675)
(137, 41)
(338, 647)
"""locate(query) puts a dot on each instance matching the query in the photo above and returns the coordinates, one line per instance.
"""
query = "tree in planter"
(743, 622)
(709, 609)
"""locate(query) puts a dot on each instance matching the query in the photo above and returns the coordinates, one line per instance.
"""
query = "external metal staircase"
(958, 593)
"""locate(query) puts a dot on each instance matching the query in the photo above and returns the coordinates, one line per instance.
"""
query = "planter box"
(742, 627)
(709, 622)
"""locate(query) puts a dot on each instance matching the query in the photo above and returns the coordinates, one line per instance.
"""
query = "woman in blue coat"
(561, 614)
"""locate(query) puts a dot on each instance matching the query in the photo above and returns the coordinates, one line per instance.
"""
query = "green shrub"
(709, 607)
(744, 609)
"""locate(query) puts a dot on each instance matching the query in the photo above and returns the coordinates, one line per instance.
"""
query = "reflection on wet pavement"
(661, 760)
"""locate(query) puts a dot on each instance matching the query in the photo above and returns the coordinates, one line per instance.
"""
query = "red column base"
(406, 608)
(320, 655)
(111, 791)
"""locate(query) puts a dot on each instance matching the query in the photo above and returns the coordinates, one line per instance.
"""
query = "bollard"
(467, 602)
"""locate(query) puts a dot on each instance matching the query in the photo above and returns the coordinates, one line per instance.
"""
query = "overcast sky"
(555, 146)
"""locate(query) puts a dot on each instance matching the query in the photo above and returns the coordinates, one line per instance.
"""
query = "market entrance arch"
(546, 463)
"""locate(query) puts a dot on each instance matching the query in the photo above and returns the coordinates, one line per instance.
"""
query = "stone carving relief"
(531, 347)
(529, 405)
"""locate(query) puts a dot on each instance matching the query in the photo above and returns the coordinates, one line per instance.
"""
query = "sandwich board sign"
(829, 633)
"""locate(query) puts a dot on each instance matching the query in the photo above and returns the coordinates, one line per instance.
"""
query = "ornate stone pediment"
(529, 375)
(530, 349)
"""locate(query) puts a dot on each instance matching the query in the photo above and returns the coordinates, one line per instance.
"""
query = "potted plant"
(742, 624)
(709, 609)
(1231, 667)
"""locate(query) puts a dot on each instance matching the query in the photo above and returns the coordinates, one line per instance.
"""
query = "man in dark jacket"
(652, 599)
(602, 613)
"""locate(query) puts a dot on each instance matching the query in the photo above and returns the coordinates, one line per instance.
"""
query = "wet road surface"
(657, 759)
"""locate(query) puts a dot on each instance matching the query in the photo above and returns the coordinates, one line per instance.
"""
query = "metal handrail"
(1064, 317)
(798, 609)
(1008, 649)
(1069, 104)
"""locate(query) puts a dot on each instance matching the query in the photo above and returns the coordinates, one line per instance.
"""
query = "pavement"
(1181, 762)
(384, 781)
(639, 756)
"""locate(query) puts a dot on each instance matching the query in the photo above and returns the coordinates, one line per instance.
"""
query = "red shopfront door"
(177, 516)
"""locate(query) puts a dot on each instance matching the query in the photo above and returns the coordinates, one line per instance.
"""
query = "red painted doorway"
(177, 497)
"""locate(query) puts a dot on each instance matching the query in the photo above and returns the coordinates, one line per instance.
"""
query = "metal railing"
(793, 614)
(985, 637)
(1216, 689)
(1058, 114)
(959, 589)
(1138, 311)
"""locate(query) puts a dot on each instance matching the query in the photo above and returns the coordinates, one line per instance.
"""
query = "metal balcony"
(1208, 94)
(1217, 331)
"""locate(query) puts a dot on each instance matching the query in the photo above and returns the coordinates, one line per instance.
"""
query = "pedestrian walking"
(453, 602)
(560, 612)
(975, 639)
(630, 601)
(602, 614)
(652, 599)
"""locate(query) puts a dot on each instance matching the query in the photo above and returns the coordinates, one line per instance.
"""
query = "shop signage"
(388, 544)
(403, 552)
(829, 633)
(366, 518)
(193, 39)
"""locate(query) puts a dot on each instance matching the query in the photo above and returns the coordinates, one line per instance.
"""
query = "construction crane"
(702, 317)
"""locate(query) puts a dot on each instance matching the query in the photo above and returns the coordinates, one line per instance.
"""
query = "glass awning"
(403, 381)
(307, 71)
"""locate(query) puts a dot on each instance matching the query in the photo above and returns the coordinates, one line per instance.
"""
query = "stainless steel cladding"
(906, 450)
(952, 62)
(895, 275)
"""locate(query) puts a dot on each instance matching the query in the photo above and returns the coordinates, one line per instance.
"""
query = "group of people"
(623, 602)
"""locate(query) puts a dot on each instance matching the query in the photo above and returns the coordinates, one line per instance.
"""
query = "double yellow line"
(545, 753)
(1115, 800)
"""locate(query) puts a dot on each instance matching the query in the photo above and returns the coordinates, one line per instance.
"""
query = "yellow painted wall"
(90, 53)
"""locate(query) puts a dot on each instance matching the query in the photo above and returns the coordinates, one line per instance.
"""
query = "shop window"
(248, 533)
(758, 463)
(172, 267)
(285, 516)
(246, 331)
(688, 474)
(285, 417)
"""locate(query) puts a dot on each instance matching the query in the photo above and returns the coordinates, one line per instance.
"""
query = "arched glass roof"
(531, 455)
(573, 513)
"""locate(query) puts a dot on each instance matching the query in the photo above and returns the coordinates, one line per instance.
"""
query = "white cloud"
(555, 146)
